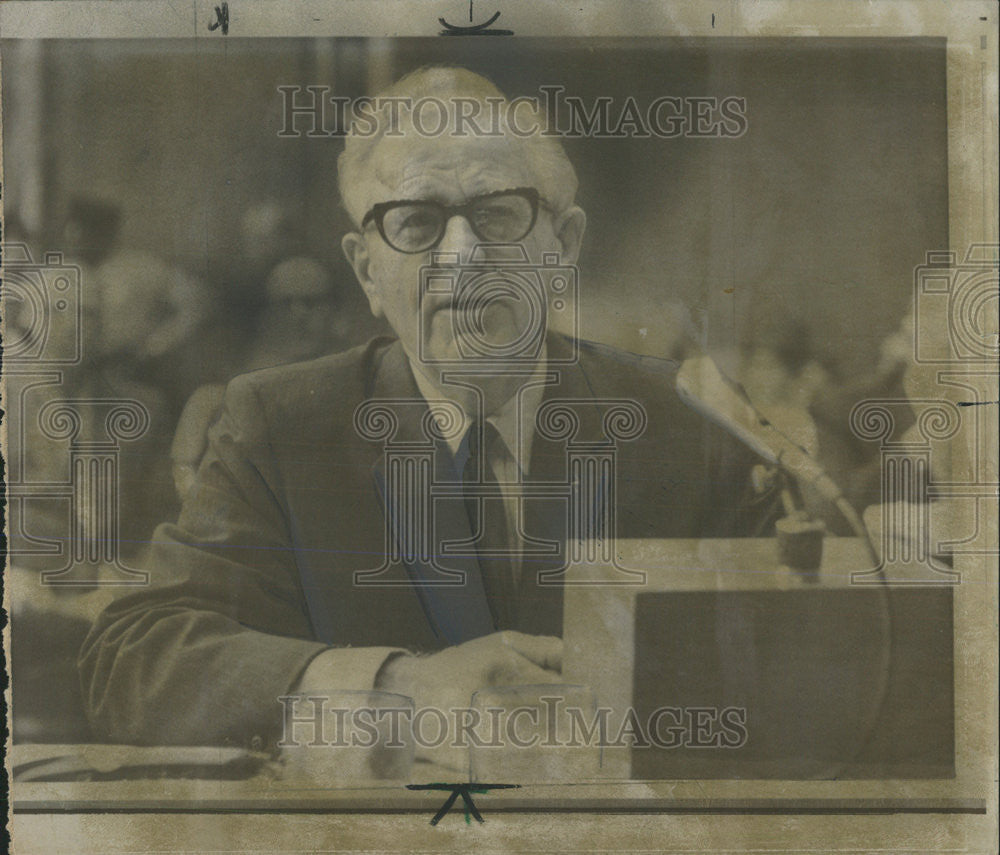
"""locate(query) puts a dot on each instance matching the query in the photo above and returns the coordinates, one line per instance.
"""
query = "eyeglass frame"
(378, 211)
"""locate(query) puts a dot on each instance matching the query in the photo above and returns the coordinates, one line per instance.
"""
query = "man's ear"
(569, 227)
(355, 248)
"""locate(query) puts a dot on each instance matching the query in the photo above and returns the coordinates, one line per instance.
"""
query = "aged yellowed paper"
(437, 426)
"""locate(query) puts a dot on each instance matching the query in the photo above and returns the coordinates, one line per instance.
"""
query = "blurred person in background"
(267, 235)
(90, 231)
(301, 320)
(48, 622)
(263, 236)
(918, 380)
(140, 314)
(858, 461)
(783, 377)
(136, 310)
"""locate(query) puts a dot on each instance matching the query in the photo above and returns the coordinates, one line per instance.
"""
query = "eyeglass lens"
(415, 226)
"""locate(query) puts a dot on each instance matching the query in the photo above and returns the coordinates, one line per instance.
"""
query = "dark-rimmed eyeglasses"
(418, 225)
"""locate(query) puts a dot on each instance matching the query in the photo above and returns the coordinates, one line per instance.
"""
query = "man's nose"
(458, 238)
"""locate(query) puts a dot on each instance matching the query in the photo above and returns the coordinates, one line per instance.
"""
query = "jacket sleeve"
(202, 655)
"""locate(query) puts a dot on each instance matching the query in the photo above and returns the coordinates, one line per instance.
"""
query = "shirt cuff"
(356, 668)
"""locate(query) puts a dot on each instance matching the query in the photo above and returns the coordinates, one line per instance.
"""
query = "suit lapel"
(456, 612)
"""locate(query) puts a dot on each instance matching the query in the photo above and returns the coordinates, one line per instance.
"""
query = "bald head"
(439, 101)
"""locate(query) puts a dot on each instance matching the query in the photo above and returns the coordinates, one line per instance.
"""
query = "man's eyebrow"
(441, 200)
(511, 189)
(407, 197)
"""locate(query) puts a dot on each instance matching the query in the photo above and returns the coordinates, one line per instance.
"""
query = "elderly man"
(277, 576)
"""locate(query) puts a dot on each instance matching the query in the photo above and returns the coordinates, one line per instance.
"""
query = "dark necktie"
(488, 522)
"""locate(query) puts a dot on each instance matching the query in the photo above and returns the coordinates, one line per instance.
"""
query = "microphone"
(707, 391)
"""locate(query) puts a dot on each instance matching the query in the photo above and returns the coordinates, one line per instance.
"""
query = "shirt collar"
(518, 434)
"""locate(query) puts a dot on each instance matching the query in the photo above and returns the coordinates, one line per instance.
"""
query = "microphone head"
(707, 391)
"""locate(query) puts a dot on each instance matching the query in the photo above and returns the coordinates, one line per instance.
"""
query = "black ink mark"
(221, 19)
(476, 30)
(463, 790)
(713, 20)
(976, 403)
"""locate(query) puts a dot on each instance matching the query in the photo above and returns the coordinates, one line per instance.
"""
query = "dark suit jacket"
(257, 576)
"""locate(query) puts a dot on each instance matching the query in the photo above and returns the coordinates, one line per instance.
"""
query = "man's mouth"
(470, 307)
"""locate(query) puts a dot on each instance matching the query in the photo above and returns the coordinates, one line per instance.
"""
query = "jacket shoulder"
(328, 385)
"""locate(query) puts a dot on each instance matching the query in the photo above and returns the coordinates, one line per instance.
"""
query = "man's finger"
(532, 674)
(546, 651)
(520, 672)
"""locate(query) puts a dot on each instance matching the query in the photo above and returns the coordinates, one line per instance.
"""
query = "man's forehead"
(449, 168)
